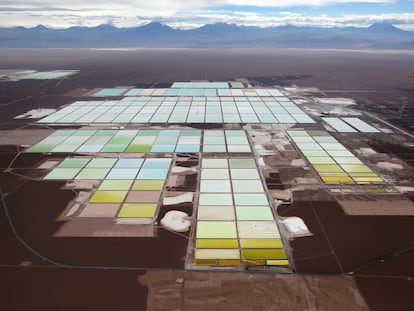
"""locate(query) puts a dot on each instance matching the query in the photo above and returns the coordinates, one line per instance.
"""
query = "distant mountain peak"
(383, 27)
(155, 25)
(40, 27)
(105, 27)
(156, 34)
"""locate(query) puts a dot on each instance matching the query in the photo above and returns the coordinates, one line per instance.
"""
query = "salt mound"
(298, 163)
(176, 221)
(390, 166)
(296, 227)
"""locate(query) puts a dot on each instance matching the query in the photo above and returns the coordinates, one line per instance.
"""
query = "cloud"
(185, 13)
(170, 5)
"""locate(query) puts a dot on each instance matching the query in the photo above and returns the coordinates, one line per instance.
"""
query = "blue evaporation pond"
(109, 92)
(157, 163)
(163, 148)
(153, 173)
(133, 92)
(122, 173)
(129, 163)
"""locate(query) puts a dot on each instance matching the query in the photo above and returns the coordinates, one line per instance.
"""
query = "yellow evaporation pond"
(356, 168)
(367, 174)
(209, 262)
(261, 243)
(227, 243)
(327, 168)
(348, 160)
(228, 262)
(108, 197)
(282, 262)
(367, 179)
(217, 254)
(321, 160)
(337, 179)
(263, 254)
(256, 262)
(148, 185)
(135, 210)
(343, 174)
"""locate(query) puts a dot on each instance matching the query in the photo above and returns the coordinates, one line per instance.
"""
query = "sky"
(187, 14)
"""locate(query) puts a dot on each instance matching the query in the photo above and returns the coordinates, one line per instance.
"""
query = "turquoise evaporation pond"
(110, 92)
(86, 168)
(120, 141)
(44, 75)
(360, 125)
(200, 107)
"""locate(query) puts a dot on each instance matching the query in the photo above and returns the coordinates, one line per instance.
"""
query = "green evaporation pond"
(106, 132)
(74, 163)
(139, 148)
(137, 210)
(216, 230)
(92, 173)
(254, 213)
(250, 199)
(244, 174)
(85, 133)
(215, 199)
(213, 140)
(62, 173)
(114, 148)
(148, 133)
(120, 140)
(65, 148)
(101, 163)
(246, 186)
(63, 133)
(41, 148)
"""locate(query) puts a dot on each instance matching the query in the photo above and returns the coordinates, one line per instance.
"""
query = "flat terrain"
(380, 82)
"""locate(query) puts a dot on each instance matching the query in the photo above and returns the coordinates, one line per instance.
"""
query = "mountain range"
(221, 35)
